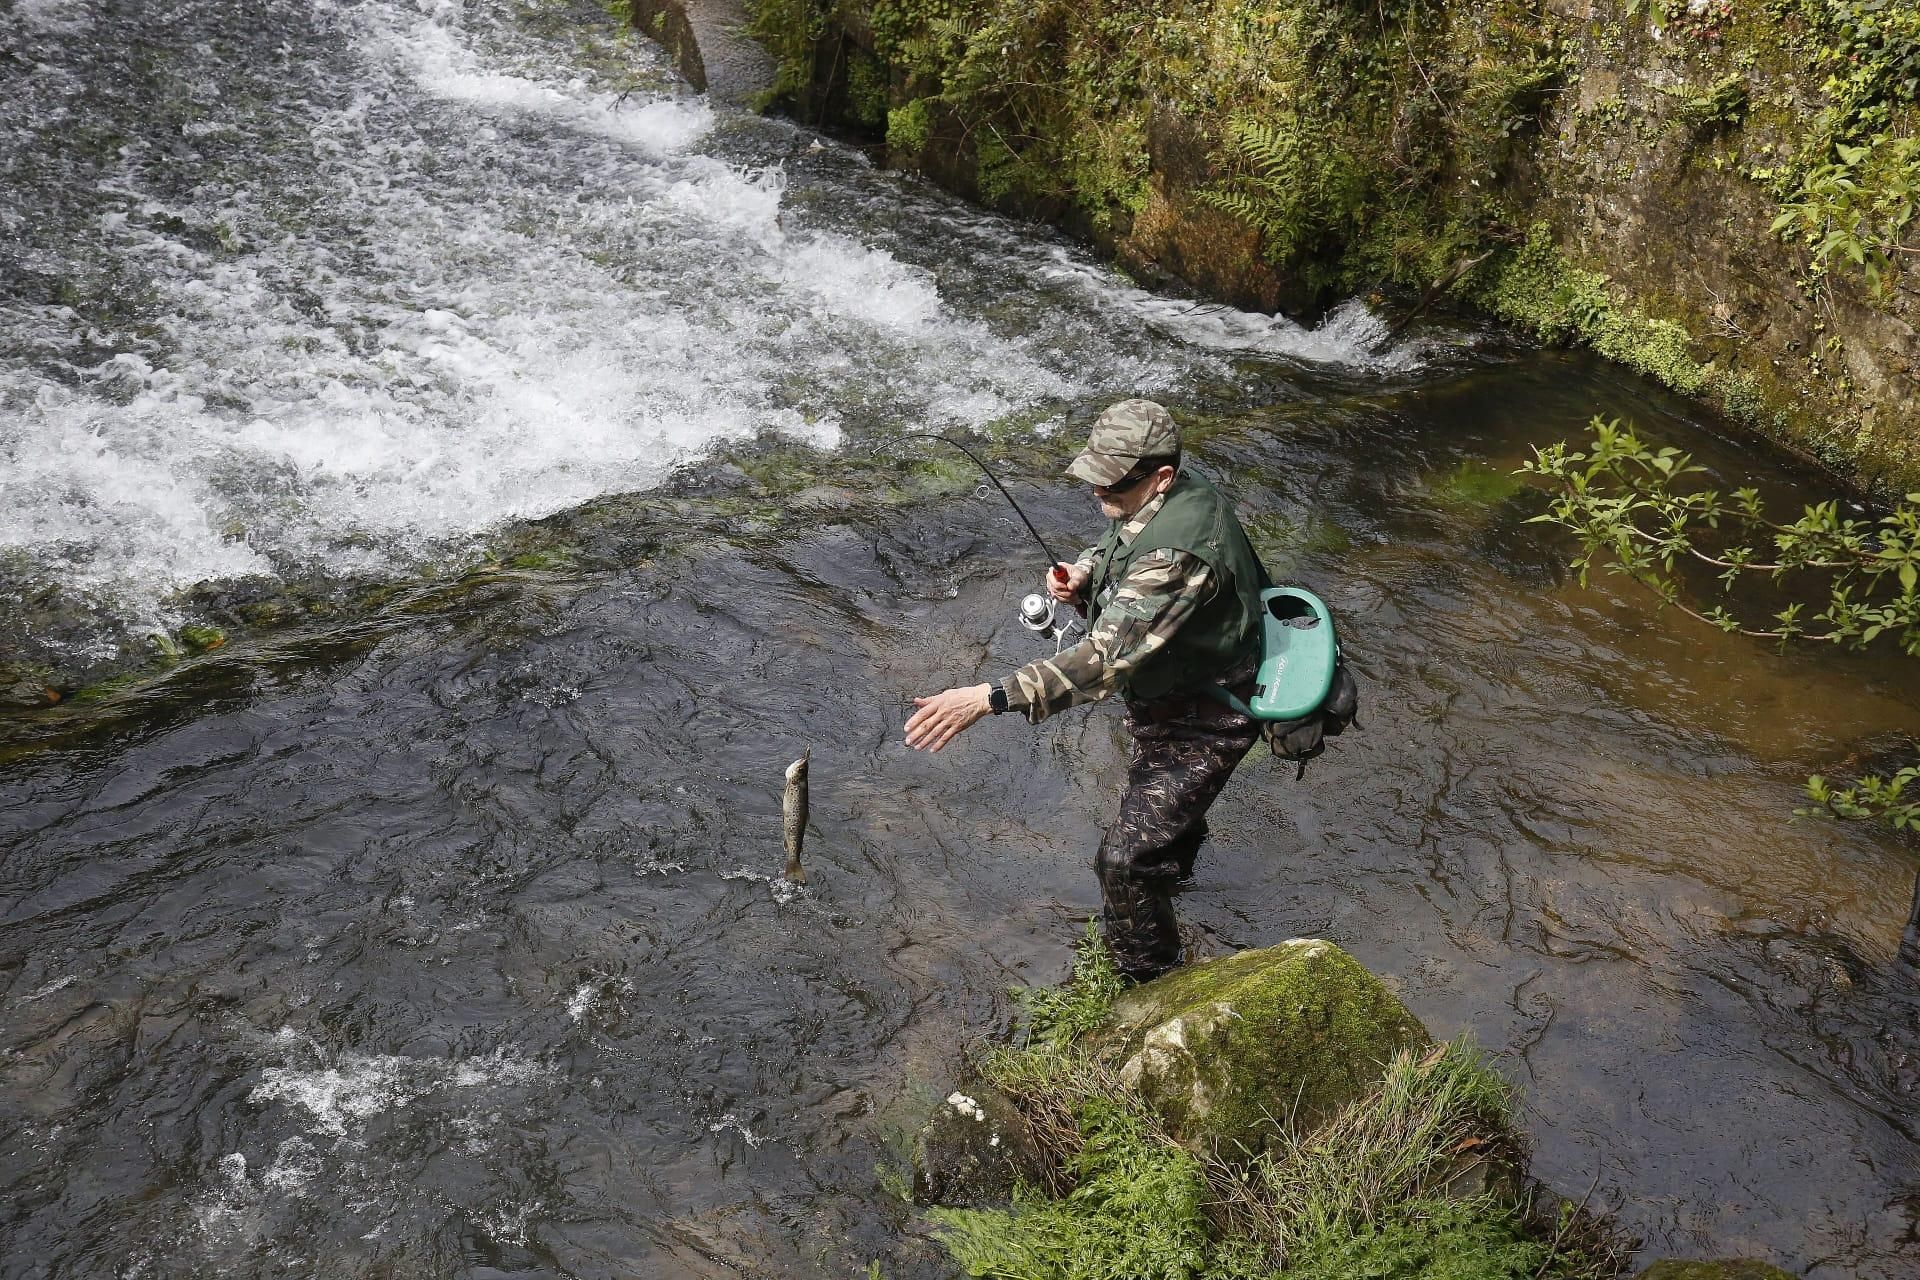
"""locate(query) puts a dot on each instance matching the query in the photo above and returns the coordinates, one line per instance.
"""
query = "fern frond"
(1270, 150)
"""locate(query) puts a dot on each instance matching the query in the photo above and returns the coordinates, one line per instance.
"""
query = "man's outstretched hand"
(941, 718)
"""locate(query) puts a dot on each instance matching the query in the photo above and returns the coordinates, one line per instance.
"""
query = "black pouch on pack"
(1303, 739)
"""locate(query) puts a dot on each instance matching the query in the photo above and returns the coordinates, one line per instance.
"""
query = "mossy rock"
(1725, 1269)
(202, 639)
(27, 685)
(1473, 484)
(1227, 1050)
(973, 1151)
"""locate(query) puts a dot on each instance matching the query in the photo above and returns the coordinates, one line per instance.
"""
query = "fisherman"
(1173, 611)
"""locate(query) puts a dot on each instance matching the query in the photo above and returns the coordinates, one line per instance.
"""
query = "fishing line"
(1053, 561)
(1038, 613)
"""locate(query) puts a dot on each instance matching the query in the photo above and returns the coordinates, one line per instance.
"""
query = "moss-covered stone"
(973, 1151)
(202, 639)
(104, 691)
(1729, 1269)
(1226, 1050)
(1416, 1173)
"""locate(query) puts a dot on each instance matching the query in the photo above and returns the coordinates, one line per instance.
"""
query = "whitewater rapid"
(349, 300)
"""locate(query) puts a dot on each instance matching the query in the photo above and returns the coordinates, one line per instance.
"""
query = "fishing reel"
(1038, 616)
(1048, 621)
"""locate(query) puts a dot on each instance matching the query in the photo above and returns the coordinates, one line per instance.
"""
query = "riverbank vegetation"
(1368, 143)
(1849, 191)
(1720, 196)
(1386, 1185)
(1362, 142)
(1836, 579)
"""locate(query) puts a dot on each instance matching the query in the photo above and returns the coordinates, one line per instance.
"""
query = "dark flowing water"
(448, 943)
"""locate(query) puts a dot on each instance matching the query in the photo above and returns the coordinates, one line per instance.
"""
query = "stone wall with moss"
(1718, 193)
(1700, 159)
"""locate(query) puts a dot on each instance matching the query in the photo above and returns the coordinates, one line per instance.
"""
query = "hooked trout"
(793, 809)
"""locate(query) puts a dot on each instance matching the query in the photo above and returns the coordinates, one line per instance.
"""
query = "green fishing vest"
(1225, 633)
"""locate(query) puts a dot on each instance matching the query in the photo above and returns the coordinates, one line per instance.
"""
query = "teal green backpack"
(1303, 693)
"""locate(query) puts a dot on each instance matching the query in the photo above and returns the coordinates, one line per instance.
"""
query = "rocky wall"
(1606, 172)
(1645, 178)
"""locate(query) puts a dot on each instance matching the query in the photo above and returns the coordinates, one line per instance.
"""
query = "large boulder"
(973, 1151)
(1227, 1050)
(1726, 1269)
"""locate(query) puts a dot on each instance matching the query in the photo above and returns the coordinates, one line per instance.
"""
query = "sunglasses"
(1142, 470)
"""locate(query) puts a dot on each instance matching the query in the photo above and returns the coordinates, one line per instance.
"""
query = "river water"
(443, 938)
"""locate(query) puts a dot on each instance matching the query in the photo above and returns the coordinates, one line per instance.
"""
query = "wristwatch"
(997, 699)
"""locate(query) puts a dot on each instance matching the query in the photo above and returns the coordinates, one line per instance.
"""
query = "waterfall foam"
(413, 271)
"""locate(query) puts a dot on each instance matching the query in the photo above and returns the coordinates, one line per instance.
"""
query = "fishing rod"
(1053, 561)
(1037, 613)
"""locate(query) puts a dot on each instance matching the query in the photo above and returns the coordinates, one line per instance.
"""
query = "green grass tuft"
(1057, 1016)
(1397, 1146)
(1413, 1181)
(1431, 1239)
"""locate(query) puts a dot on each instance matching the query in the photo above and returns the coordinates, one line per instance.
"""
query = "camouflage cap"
(1126, 432)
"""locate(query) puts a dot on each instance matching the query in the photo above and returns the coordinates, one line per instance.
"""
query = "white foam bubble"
(342, 1098)
(58, 984)
(783, 890)
(296, 1163)
(730, 1123)
(1350, 335)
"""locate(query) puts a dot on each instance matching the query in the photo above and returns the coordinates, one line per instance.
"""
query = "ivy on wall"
(1850, 192)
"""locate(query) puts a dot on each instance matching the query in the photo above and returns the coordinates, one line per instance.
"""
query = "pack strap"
(1226, 696)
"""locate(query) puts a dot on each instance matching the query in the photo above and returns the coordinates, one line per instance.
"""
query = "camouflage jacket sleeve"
(1159, 593)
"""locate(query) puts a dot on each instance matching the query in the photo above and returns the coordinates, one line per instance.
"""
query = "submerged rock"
(708, 42)
(26, 686)
(1724, 1269)
(973, 1151)
(1227, 1050)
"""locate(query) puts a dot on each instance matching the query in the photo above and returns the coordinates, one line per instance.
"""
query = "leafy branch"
(1872, 796)
(1643, 512)
(1857, 210)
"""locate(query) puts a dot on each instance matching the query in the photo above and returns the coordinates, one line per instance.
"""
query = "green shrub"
(909, 127)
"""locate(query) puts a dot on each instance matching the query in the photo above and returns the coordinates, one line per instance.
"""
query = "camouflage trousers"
(1184, 750)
